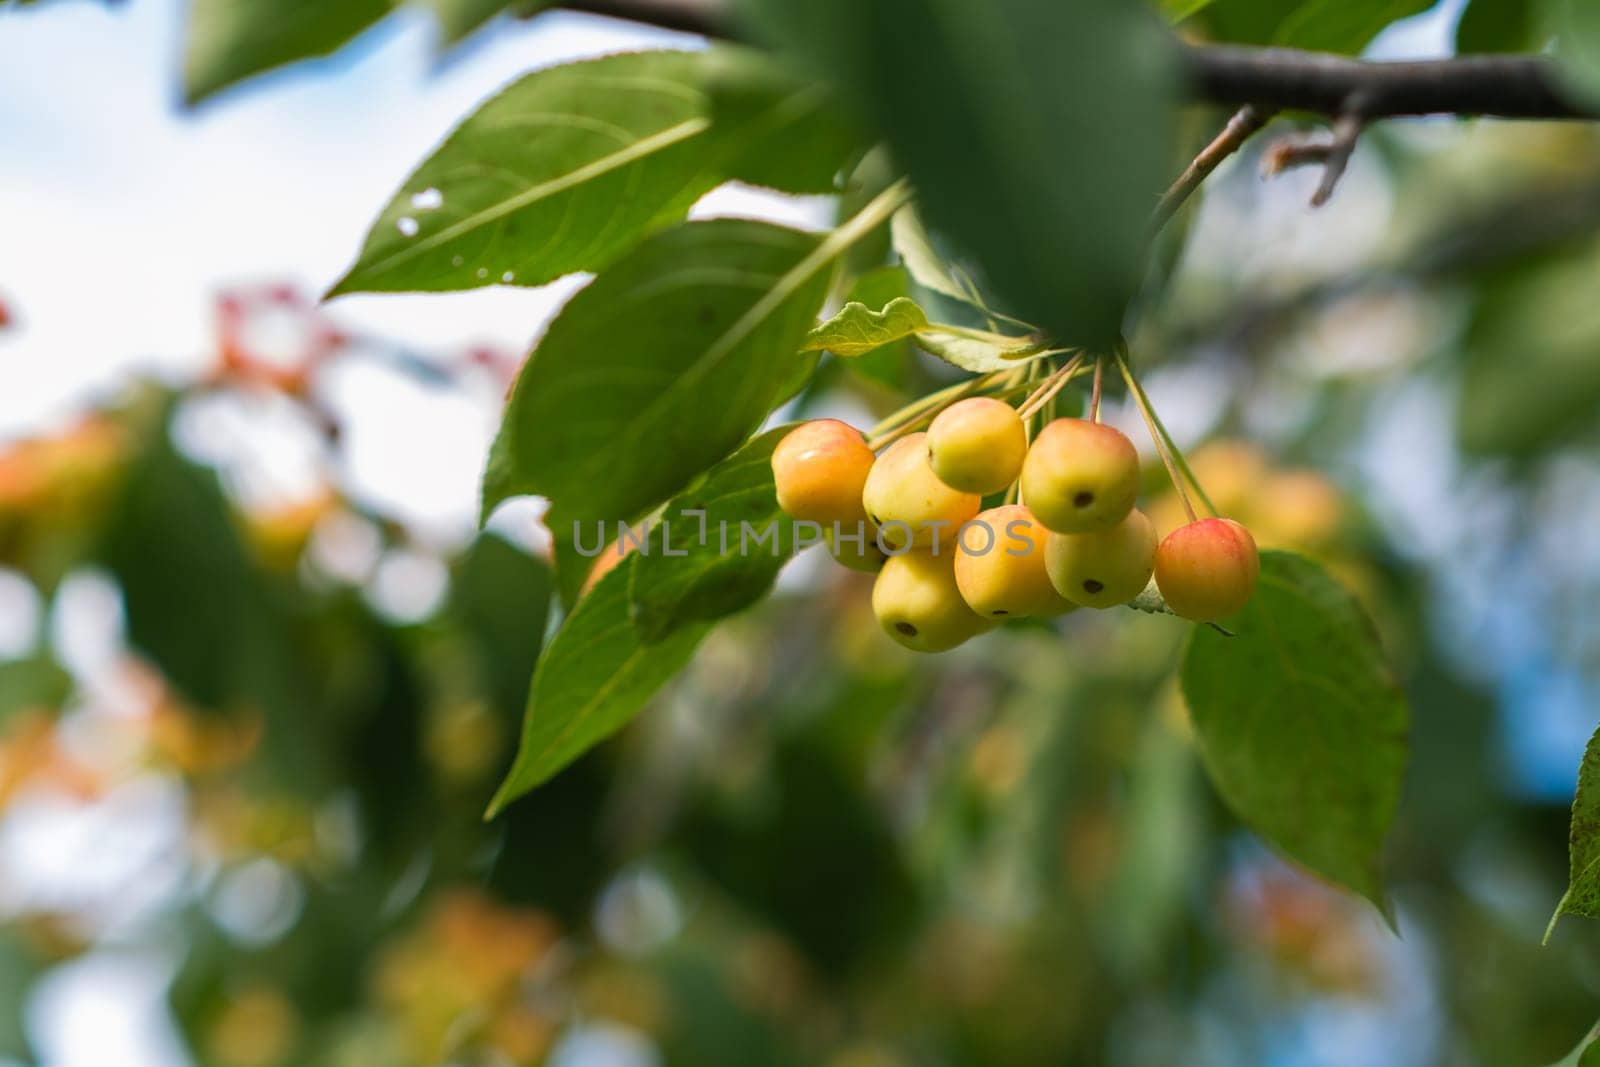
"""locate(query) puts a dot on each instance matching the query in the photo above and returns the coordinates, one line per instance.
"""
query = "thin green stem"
(1143, 404)
(1146, 406)
(1094, 397)
(1052, 385)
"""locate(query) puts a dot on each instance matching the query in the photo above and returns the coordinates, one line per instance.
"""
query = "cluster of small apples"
(949, 569)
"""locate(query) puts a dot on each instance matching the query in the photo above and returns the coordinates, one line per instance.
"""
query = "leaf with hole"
(557, 173)
(1300, 722)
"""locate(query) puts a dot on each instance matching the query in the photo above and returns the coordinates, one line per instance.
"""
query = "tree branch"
(1245, 122)
(1272, 79)
(1520, 87)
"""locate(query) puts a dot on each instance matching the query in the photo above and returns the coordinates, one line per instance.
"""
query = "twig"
(1094, 396)
(1245, 122)
(1517, 87)
(1274, 79)
(1159, 430)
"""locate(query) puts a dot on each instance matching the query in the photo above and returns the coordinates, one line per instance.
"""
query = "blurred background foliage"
(817, 848)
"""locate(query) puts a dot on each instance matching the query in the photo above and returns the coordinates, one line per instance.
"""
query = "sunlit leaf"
(857, 329)
(1300, 722)
(979, 354)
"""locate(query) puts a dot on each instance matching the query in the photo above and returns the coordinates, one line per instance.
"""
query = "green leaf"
(1342, 25)
(458, 19)
(1529, 381)
(230, 40)
(1497, 26)
(592, 679)
(977, 351)
(558, 173)
(925, 265)
(1576, 26)
(37, 683)
(1300, 723)
(1178, 10)
(1583, 843)
(659, 368)
(1036, 134)
(857, 329)
(784, 132)
(502, 595)
(719, 571)
(1587, 1052)
(891, 365)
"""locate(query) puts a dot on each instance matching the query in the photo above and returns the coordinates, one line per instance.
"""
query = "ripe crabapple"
(1207, 569)
(917, 603)
(1298, 508)
(1000, 566)
(1080, 476)
(977, 445)
(1103, 568)
(902, 488)
(859, 555)
(819, 469)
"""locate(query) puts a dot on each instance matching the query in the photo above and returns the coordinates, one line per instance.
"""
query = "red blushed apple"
(1207, 569)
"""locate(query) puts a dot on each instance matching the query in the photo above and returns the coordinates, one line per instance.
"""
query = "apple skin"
(819, 470)
(1207, 570)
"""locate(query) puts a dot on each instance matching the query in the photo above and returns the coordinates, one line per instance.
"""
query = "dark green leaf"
(1586, 1054)
(922, 261)
(1005, 118)
(721, 571)
(35, 683)
(594, 676)
(230, 40)
(459, 18)
(1583, 843)
(558, 173)
(1300, 722)
(659, 368)
(1497, 26)
(1530, 379)
(783, 132)
(502, 596)
(1576, 26)
(1342, 25)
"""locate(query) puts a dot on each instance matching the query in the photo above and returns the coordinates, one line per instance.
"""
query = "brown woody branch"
(1272, 79)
